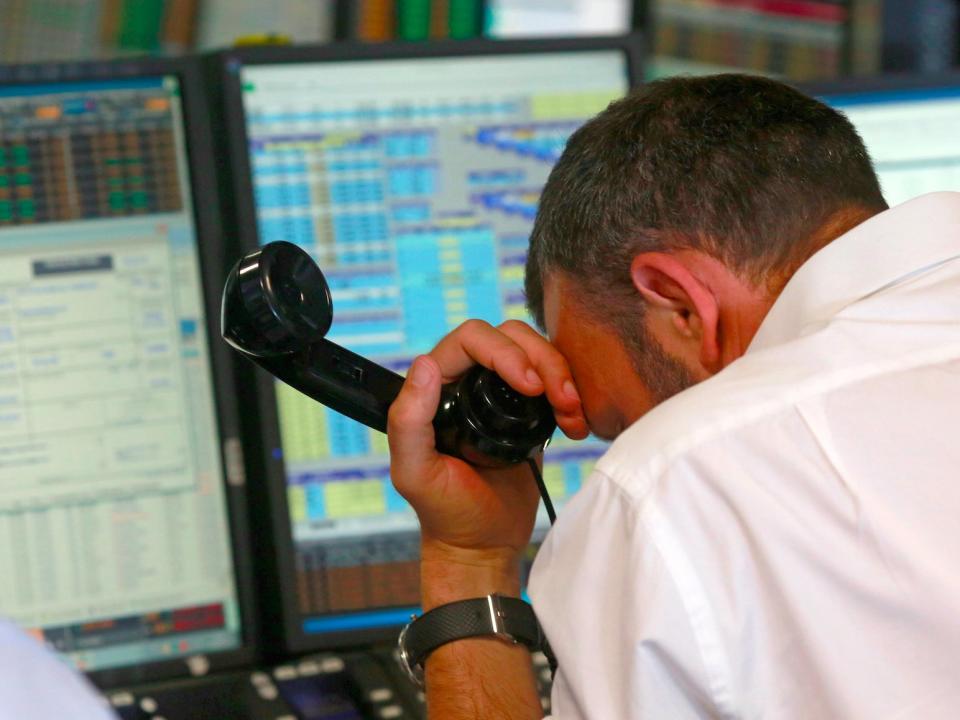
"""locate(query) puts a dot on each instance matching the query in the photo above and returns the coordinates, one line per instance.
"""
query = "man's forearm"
(477, 677)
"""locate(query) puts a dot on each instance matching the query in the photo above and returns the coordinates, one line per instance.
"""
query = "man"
(774, 531)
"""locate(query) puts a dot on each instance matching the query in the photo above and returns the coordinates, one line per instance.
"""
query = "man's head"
(672, 221)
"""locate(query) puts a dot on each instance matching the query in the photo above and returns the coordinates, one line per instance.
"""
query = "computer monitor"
(412, 174)
(910, 127)
(122, 545)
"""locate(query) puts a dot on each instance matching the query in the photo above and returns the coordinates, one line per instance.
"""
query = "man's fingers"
(478, 342)
(410, 426)
(552, 367)
(522, 357)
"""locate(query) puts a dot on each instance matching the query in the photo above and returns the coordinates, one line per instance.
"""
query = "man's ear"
(671, 289)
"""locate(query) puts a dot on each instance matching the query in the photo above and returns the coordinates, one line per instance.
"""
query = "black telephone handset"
(277, 309)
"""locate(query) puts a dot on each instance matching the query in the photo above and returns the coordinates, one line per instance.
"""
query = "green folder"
(466, 18)
(141, 22)
(413, 19)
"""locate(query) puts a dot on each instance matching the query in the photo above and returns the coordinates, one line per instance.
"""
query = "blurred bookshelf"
(38, 30)
(410, 20)
(798, 39)
(805, 39)
(793, 39)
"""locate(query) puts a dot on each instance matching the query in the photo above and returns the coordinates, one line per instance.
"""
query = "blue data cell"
(263, 169)
(572, 480)
(395, 501)
(298, 230)
(282, 195)
(348, 438)
(412, 180)
(360, 303)
(417, 213)
(316, 507)
(360, 227)
(449, 274)
(487, 178)
(349, 192)
(188, 329)
(409, 145)
(338, 166)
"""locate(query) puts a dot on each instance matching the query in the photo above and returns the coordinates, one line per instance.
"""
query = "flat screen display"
(114, 540)
(912, 135)
(414, 183)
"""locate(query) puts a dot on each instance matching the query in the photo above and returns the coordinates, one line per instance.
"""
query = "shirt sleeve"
(38, 685)
(614, 617)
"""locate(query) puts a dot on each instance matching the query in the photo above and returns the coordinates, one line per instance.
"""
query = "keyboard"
(366, 685)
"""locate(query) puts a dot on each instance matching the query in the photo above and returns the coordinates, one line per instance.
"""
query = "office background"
(201, 540)
(798, 39)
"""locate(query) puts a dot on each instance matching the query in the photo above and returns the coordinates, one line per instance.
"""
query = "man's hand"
(475, 523)
(465, 511)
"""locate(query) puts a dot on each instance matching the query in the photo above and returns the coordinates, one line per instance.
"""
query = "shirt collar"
(876, 254)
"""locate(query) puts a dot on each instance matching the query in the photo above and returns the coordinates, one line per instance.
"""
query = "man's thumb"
(410, 422)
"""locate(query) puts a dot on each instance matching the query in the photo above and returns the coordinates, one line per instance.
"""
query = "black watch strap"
(507, 617)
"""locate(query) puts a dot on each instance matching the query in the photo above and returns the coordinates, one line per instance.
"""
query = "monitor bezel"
(202, 166)
(278, 587)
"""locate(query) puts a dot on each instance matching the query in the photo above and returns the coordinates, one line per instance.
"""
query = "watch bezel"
(414, 671)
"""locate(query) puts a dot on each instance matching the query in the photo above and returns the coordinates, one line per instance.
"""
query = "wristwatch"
(508, 618)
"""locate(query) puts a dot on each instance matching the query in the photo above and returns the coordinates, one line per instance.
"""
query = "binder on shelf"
(413, 19)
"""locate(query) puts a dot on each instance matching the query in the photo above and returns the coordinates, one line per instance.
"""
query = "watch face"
(413, 670)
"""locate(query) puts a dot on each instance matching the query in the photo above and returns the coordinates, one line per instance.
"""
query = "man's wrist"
(450, 574)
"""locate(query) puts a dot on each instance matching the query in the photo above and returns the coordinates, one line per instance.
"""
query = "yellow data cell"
(354, 498)
(157, 104)
(454, 293)
(446, 241)
(455, 320)
(571, 105)
(586, 468)
(451, 255)
(303, 425)
(297, 500)
(450, 268)
(553, 479)
(514, 273)
(516, 312)
(378, 443)
(455, 307)
(455, 222)
(48, 112)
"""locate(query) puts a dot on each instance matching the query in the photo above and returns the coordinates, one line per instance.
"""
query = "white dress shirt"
(36, 685)
(783, 540)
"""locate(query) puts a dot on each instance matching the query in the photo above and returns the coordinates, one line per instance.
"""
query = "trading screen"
(912, 137)
(414, 183)
(113, 534)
